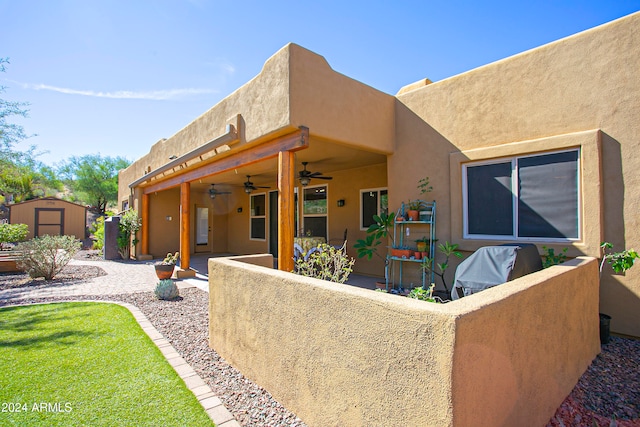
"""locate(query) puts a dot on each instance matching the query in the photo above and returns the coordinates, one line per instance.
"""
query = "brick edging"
(212, 405)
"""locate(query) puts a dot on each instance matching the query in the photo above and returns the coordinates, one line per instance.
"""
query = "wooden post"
(185, 213)
(144, 216)
(286, 200)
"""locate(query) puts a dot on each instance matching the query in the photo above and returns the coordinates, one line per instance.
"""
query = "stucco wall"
(340, 355)
(582, 83)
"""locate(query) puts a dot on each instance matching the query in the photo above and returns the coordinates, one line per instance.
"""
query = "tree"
(93, 178)
(10, 133)
(21, 175)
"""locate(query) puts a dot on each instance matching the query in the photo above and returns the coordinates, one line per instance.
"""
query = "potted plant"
(413, 209)
(422, 244)
(164, 269)
(620, 262)
(379, 230)
(425, 188)
(448, 250)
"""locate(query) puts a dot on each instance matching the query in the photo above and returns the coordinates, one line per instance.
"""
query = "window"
(258, 216)
(314, 211)
(523, 198)
(372, 202)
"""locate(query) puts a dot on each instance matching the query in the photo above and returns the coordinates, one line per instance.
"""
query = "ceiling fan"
(249, 187)
(213, 192)
(305, 175)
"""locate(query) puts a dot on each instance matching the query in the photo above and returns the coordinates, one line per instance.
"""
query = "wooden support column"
(286, 200)
(185, 225)
(144, 231)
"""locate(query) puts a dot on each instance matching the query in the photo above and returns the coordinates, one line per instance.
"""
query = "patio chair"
(337, 243)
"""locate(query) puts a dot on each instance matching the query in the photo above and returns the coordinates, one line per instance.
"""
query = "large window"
(372, 202)
(523, 198)
(314, 211)
(258, 216)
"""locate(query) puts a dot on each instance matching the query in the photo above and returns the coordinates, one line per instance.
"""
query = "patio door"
(203, 229)
(273, 223)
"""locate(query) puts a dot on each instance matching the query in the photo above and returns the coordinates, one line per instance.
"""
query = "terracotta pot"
(164, 271)
(413, 215)
(417, 255)
(401, 253)
(425, 254)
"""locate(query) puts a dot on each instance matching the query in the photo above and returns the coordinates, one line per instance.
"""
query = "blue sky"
(113, 77)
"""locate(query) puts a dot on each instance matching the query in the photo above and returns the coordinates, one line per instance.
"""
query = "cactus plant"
(166, 290)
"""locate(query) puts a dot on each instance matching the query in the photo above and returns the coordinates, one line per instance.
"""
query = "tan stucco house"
(541, 147)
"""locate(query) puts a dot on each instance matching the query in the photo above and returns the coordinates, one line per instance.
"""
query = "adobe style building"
(541, 147)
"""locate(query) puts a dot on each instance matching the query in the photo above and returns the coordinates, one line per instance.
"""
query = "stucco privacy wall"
(581, 83)
(340, 355)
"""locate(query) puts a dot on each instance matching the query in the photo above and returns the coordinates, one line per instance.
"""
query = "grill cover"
(492, 265)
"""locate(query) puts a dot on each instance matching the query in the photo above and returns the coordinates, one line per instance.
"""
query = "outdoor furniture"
(493, 265)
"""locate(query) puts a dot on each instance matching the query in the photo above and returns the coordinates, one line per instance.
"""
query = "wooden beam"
(290, 142)
(144, 231)
(286, 200)
(185, 214)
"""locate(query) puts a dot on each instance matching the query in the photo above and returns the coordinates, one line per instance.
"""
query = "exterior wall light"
(340, 203)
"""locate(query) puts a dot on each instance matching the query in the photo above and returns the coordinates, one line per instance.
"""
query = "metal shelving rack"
(427, 219)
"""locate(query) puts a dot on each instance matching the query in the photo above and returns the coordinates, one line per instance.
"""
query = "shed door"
(49, 221)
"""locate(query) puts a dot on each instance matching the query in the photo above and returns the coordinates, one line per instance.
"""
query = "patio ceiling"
(322, 155)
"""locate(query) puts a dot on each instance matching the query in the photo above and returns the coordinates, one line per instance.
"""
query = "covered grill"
(492, 265)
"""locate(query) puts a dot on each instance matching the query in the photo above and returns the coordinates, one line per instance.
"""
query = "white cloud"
(155, 95)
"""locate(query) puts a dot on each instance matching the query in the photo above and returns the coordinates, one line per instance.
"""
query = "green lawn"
(87, 364)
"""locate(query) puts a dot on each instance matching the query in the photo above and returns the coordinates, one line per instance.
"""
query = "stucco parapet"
(497, 294)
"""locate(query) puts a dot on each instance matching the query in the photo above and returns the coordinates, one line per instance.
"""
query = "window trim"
(515, 197)
(264, 217)
(378, 190)
(592, 205)
(315, 215)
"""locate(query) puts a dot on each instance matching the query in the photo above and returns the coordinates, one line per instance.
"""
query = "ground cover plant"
(87, 364)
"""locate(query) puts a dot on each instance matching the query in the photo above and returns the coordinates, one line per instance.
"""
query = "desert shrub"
(423, 294)
(550, 258)
(46, 256)
(97, 230)
(12, 233)
(326, 263)
(129, 225)
(166, 289)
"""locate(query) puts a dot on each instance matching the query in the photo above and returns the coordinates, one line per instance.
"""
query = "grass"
(87, 364)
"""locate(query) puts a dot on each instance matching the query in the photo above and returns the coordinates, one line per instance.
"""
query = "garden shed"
(50, 215)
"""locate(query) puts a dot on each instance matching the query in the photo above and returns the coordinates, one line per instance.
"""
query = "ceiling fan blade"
(322, 177)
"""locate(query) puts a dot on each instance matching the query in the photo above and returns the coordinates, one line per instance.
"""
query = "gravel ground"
(609, 390)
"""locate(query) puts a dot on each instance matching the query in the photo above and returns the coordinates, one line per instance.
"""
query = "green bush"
(129, 225)
(12, 233)
(327, 263)
(97, 230)
(46, 256)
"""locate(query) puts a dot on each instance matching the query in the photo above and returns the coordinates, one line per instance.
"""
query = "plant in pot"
(425, 188)
(413, 209)
(422, 245)
(439, 269)
(164, 269)
(620, 262)
(377, 232)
